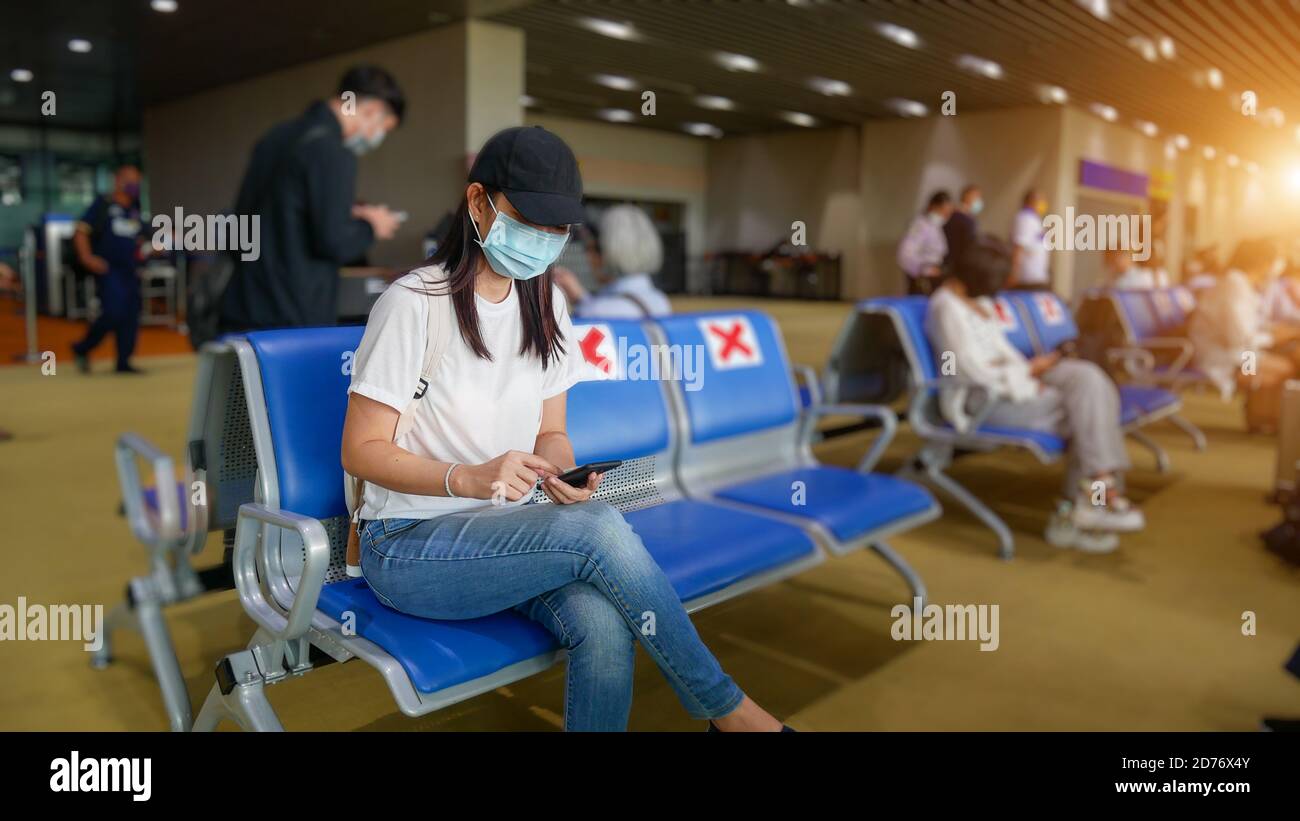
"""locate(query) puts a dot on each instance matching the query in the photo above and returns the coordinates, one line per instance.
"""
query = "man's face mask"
(516, 250)
(360, 143)
(976, 207)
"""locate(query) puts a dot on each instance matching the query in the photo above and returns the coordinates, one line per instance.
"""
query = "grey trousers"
(1078, 402)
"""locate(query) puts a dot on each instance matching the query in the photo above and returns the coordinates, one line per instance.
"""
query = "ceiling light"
(21, 75)
(703, 130)
(1147, 128)
(1166, 45)
(527, 101)
(615, 115)
(1099, 8)
(831, 88)
(908, 108)
(1053, 94)
(164, 6)
(619, 31)
(798, 118)
(737, 62)
(79, 45)
(714, 102)
(1181, 142)
(1215, 78)
(1233, 162)
(1144, 46)
(1106, 112)
(614, 81)
(978, 65)
(1171, 151)
(1208, 152)
(898, 34)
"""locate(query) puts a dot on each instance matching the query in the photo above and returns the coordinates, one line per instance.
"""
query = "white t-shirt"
(474, 409)
(983, 356)
(1028, 235)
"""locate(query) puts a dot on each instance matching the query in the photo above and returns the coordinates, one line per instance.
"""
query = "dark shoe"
(785, 728)
(1272, 725)
(82, 360)
(129, 369)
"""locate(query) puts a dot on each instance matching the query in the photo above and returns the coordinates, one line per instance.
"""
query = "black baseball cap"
(536, 171)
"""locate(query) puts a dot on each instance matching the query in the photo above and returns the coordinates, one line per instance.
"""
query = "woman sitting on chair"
(436, 535)
(1073, 398)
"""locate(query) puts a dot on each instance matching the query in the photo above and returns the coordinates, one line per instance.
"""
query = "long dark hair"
(459, 253)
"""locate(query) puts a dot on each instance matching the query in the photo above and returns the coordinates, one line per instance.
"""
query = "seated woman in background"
(1237, 344)
(630, 253)
(1072, 398)
(1123, 274)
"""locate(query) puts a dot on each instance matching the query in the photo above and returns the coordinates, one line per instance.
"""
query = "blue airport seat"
(704, 548)
(746, 443)
(438, 655)
(291, 578)
(823, 491)
(1153, 353)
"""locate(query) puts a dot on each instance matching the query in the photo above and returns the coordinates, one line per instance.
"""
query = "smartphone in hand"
(578, 476)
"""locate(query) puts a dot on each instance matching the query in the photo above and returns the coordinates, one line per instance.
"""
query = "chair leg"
(239, 694)
(162, 654)
(121, 617)
(1162, 458)
(1006, 544)
(903, 569)
(1198, 438)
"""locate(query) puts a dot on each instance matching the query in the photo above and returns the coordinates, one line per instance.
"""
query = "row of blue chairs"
(1036, 323)
(719, 483)
(1153, 348)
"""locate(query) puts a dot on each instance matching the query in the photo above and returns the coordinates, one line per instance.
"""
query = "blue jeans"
(579, 571)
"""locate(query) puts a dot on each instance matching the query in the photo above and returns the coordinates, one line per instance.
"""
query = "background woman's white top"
(475, 409)
(978, 349)
(1229, 321)
(612, 302)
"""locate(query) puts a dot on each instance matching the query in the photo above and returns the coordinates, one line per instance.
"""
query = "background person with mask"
(1029, 260)
(107, 244)
(922, 251)
(301, 180)
(630, 253)
(961, 228)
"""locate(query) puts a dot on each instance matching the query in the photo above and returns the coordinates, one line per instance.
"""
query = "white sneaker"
(1119, 516)
(1063, 532)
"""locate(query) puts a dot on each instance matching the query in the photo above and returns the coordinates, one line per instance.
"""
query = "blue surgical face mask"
(976, 207)
(519, 251)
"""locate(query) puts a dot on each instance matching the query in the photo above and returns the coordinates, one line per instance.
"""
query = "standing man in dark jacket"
(301, 180)
(962, 229)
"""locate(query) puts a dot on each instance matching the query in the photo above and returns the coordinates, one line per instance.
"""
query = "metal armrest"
(250, 560)
(1139, 363)
(809, 376)
(1183, 346)
(888, 425)
(163, 530)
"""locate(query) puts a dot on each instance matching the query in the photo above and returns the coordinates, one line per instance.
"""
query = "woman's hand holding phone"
(563, 493)
(513, 475)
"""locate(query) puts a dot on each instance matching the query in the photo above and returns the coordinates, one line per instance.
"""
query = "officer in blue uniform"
(107, 244)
